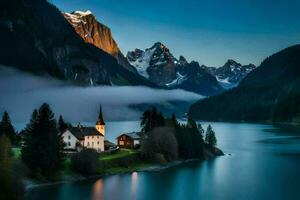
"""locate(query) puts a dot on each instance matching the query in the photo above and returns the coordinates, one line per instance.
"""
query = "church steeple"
(100, 120)
(100, 124)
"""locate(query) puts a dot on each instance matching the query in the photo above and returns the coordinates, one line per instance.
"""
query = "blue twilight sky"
(209, 31)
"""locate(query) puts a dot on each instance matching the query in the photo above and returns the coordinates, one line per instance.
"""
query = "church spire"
(100, 120)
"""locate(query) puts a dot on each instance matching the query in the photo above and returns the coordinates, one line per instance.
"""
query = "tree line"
(166, 139)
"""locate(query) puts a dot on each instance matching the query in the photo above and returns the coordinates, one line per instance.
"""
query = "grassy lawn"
(119, 154)
(117, 162)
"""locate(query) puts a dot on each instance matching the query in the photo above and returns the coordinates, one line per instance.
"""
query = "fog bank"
(22, 92)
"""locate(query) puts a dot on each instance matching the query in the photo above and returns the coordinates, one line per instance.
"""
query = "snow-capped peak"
(82, 13)
(155, 56)
(76, 17)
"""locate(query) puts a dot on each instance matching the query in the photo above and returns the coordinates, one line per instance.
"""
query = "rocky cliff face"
(155, 63)
(97, 34)
(35, 37)
(159, 66)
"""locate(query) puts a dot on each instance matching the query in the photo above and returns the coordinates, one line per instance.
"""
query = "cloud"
(22, 92)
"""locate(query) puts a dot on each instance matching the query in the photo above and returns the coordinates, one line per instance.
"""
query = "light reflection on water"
(134, 185)
(98, 190)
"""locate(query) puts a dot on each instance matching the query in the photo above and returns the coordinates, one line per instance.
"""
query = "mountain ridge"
(35, 37)
(268, 93)
(158, 64)
(96, 33)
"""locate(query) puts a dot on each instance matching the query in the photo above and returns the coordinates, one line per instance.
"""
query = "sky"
(208, 31)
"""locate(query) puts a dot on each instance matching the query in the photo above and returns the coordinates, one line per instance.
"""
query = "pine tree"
(145, 121)
(201, 130)
(43, 146)
(62, 125)
(7, 128)
(174, 120)
(210, 137)
(152, 119)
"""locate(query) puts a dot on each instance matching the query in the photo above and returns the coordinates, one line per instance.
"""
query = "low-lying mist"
(21, 92)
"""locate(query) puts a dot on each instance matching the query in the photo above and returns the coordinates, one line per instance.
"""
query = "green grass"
(134, 167)
(119, 154)
(16, 153)
(67, 166)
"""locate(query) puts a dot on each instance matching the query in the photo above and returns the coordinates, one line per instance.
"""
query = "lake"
(264, 164)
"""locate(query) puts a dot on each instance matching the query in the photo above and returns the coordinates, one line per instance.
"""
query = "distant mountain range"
(270, 92)
(36, 37)
(231, 73)
(159, 65)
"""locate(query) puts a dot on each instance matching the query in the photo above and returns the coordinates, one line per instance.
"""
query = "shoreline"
(32, 184)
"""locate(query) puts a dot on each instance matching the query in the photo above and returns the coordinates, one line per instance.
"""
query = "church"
(79, 137)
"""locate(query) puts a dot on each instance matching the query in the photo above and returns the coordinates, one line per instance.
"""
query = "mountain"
(96, 33)
(268, 93)
(231, 73)
(35, 37)
(155, 63)
(159, 66)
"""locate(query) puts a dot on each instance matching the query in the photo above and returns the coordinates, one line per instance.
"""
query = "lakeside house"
(129, 140)
(77, 138)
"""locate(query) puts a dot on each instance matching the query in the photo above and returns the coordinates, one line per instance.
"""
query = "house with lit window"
(129, 140)
(79, 137)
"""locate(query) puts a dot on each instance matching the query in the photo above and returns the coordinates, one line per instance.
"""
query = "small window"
(92, 144)
(69, 143)
(121, 142)
(88, 144)
(92, 137)
(97, 142)
(69, 137)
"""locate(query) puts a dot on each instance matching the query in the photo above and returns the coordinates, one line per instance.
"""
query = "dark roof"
(133, 135)
(100, 120)
(79, 133)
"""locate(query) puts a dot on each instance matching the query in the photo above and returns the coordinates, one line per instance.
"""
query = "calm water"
(264, 164)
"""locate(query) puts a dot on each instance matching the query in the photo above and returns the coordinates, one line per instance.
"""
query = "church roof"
(80, 132)
(100, 120)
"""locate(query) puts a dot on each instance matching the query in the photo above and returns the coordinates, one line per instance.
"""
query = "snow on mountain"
(179, 80)
(142, 62)
(231, 73)
(92, 31)
(76, 17)
(155, 63)
(158, 65)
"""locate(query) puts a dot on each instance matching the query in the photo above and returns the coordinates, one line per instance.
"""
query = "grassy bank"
(121, 161)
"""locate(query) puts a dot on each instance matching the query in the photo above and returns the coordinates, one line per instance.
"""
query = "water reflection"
(134, 185)
(98, 190)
